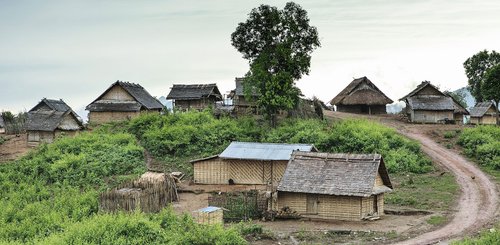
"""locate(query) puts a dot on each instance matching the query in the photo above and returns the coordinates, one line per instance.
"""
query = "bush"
(483, 144)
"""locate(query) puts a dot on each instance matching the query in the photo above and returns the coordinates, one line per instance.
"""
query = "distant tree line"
(14, 124)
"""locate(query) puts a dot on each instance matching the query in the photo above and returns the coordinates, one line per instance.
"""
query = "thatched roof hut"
(247, 163)
(194, 96)
(426, 104)
(361, 96)
(50, 118)
(150, 193)
(121, 101)
(337, 186)
(483, 113)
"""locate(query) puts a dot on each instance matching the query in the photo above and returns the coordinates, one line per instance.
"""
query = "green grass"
(487, 237)
(437, 220)
(430, 191)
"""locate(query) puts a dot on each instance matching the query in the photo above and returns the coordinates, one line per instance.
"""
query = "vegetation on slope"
(182, 137)
(491, 236)
(482, 143)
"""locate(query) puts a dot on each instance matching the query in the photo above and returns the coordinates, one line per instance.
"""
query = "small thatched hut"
(483, 113)
(247, 163)
(194, 96)
(49, 119)
(361, 96)
(426, 104)
(122, 101)
(242, 106)
(150, 193)
(334, 186)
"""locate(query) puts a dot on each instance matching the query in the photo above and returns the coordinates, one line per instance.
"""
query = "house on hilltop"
(49, 119)
(426, 104)
(194, 96)
(242, 106)
(483, 113)
(334, 186)
(122, 101)
(361, 96)
(247, 163)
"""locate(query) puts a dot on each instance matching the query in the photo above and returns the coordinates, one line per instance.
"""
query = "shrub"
(483, 144)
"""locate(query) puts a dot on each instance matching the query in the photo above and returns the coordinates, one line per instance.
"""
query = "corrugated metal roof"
(262, 151)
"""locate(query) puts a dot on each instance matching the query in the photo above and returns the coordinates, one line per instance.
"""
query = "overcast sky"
(75, 49)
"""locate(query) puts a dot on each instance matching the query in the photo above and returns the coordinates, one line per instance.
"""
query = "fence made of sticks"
(150, 193)
(240, 205)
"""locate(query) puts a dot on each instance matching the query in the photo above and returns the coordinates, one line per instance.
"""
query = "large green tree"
(475, 69)
(278, 45)
(491, 87)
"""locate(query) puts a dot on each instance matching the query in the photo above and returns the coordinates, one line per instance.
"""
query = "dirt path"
(13, 148)
(479, 200)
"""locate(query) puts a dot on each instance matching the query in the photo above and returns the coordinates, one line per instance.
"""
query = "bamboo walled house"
(247, 163)
(361, 96)
(194, 96)
(122, 101)
(483, 113)
(242, 105)
(426, 104)
(335, 186)
(49, 119)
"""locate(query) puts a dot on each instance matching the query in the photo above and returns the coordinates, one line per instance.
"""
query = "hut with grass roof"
(361, 96)
(49, 119)
(334, 186)
(247, 163)
(194, 96)
(483, 113)
(122, 101)
(426, 104)
(150, 193)
(242, 104)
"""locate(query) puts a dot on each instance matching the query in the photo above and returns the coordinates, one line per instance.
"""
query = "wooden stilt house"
(483, 113)
(247, 163)
(194, 96)
(426, 104)
(242, 105)
(361, 96)
(122, 101)
(334, 186)
(49, 119)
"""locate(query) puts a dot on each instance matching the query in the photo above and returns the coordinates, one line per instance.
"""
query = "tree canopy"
(491, 86)
(476, 68)
(278, 45)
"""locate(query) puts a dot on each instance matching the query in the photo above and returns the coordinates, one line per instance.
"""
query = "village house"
(49, 119)
(426, 104)
(361, 96)
(459, 112)
(122, 101)
(247, 163)
(242, 106)
(334, 186)
(483, 113)
(194, 96)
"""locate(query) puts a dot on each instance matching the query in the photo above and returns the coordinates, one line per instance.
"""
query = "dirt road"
(479, 200)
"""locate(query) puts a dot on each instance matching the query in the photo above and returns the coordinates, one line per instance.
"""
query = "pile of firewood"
(287, 213)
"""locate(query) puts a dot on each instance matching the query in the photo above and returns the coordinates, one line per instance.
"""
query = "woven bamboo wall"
(247, 172)
(279, 168)
(212, 218)
(98, 117)
(378, 180)
(431, 116)
(380, 199)
(211, 171)
(117, 93)
(328, 207)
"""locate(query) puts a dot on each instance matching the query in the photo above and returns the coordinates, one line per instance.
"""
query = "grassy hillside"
(50, 196)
